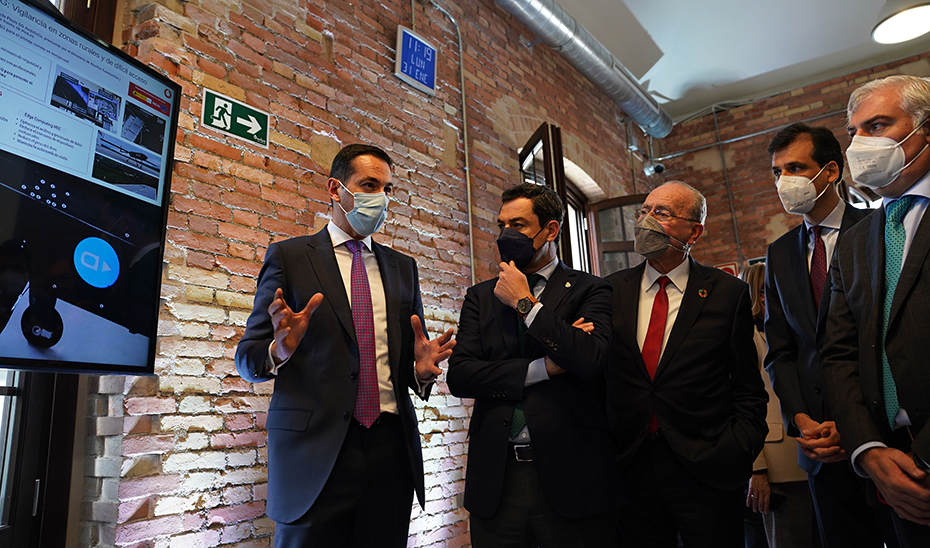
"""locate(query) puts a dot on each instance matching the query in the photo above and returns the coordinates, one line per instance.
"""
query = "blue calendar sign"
(416, 61)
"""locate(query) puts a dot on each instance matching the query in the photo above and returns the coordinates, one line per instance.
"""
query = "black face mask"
(517, 247)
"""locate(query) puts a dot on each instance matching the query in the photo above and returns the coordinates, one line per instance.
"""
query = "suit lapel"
(557, 286)
(692, 302)
(629, 301)
(390, 279)
(916, 257)
(323, 264)
(506, 319)
(876, 263)
(850, 217)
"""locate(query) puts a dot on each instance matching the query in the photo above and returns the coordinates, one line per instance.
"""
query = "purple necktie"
(818, 265)
(367, 402)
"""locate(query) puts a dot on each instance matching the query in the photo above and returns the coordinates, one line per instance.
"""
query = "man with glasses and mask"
(808, 164)
(338, 324)
(684, 392)
(875, 349)
(531, 349)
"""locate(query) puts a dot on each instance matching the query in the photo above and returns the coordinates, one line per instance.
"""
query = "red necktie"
(367, 401)
(818, 265)
(652, 346)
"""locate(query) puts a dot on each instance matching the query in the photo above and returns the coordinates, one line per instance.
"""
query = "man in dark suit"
(808, 163)
(686, 399)
(337, 323)
(531, 350)
(876, 343)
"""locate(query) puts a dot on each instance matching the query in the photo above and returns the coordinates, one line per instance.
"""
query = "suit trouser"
(525, 519)
(367, 499)
(843, 513)
(665, 500)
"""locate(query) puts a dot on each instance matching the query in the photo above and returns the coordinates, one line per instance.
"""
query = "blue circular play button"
(96, 262)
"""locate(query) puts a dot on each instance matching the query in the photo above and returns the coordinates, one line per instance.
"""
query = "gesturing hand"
(289, 326)
(428, 353)
(820, 441)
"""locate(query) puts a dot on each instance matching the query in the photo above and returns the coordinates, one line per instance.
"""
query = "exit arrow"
(253, 124)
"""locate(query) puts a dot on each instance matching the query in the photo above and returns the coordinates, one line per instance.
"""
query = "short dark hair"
(342, 164)
(547, 206)
(826, 147)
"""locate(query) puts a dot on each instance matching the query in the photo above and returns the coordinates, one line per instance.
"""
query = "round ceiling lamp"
(902, 20)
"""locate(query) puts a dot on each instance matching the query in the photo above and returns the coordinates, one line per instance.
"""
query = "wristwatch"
(525, 304)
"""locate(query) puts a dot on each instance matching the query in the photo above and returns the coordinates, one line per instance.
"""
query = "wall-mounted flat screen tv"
(86, 148)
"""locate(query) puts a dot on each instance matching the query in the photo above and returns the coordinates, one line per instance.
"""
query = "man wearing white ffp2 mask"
(808, 163)
(874, 347)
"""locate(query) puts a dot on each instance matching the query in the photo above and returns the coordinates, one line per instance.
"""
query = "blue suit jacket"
(314, 393)
(791, 325)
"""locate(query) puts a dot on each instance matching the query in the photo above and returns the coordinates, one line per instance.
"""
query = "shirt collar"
(834, 220)
(678, 275)
(546, 271)
(339, 236)
(920, 189)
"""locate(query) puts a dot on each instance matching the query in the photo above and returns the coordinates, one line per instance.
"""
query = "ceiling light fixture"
(902, 20)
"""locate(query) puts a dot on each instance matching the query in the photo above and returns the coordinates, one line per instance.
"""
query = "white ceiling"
(690, 54)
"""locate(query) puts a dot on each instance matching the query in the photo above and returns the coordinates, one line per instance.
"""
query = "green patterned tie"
(518, 420)
(894, 251)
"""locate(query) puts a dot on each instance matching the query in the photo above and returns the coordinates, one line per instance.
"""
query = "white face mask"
(797, 193)
(369, 210)
(876, 162)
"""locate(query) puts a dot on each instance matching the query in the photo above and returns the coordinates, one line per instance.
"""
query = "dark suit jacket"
(566, 415)
(791, 325)
(707, 394)
(851, 344)
(314, 393)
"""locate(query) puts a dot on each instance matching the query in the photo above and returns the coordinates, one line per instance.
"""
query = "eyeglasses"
(661, 215)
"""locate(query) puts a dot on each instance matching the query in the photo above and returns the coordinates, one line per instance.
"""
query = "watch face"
(524, 305)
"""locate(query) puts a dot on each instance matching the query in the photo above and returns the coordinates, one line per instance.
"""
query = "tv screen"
(86, 147)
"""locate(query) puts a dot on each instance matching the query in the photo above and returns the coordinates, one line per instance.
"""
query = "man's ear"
(833, 169)
(696, 231)
(332, 185)
(552, 230)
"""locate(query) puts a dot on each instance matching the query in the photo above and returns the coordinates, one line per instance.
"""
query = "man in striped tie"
(338, 323)
(875, 349)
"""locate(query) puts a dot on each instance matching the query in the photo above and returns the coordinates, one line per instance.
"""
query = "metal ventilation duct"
(560, 31)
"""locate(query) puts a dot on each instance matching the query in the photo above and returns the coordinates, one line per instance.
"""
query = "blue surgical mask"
(368, 213)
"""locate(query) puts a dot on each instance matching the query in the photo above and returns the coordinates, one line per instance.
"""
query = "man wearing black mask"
(531, 350)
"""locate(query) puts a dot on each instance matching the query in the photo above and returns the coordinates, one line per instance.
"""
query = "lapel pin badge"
(702, 293)
(568, 284)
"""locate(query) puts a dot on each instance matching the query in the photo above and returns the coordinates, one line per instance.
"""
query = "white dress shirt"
(379, 310)
(829, 233)
(911, 220)
(648, 289)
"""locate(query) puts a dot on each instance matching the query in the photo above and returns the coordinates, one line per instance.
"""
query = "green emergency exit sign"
(229, 116)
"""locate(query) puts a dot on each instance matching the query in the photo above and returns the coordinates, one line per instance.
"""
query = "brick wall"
(759, 215)
(179, 460)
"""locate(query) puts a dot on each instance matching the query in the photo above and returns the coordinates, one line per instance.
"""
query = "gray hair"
(698, 210)
(913, 91)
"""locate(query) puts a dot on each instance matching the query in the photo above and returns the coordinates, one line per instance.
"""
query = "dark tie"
(894, 256)
(818, 265)
(367, 402)
(652, 345)
(518, 420)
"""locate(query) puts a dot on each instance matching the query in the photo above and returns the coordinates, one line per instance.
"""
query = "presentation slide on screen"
(64, 103)
(85, 157)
